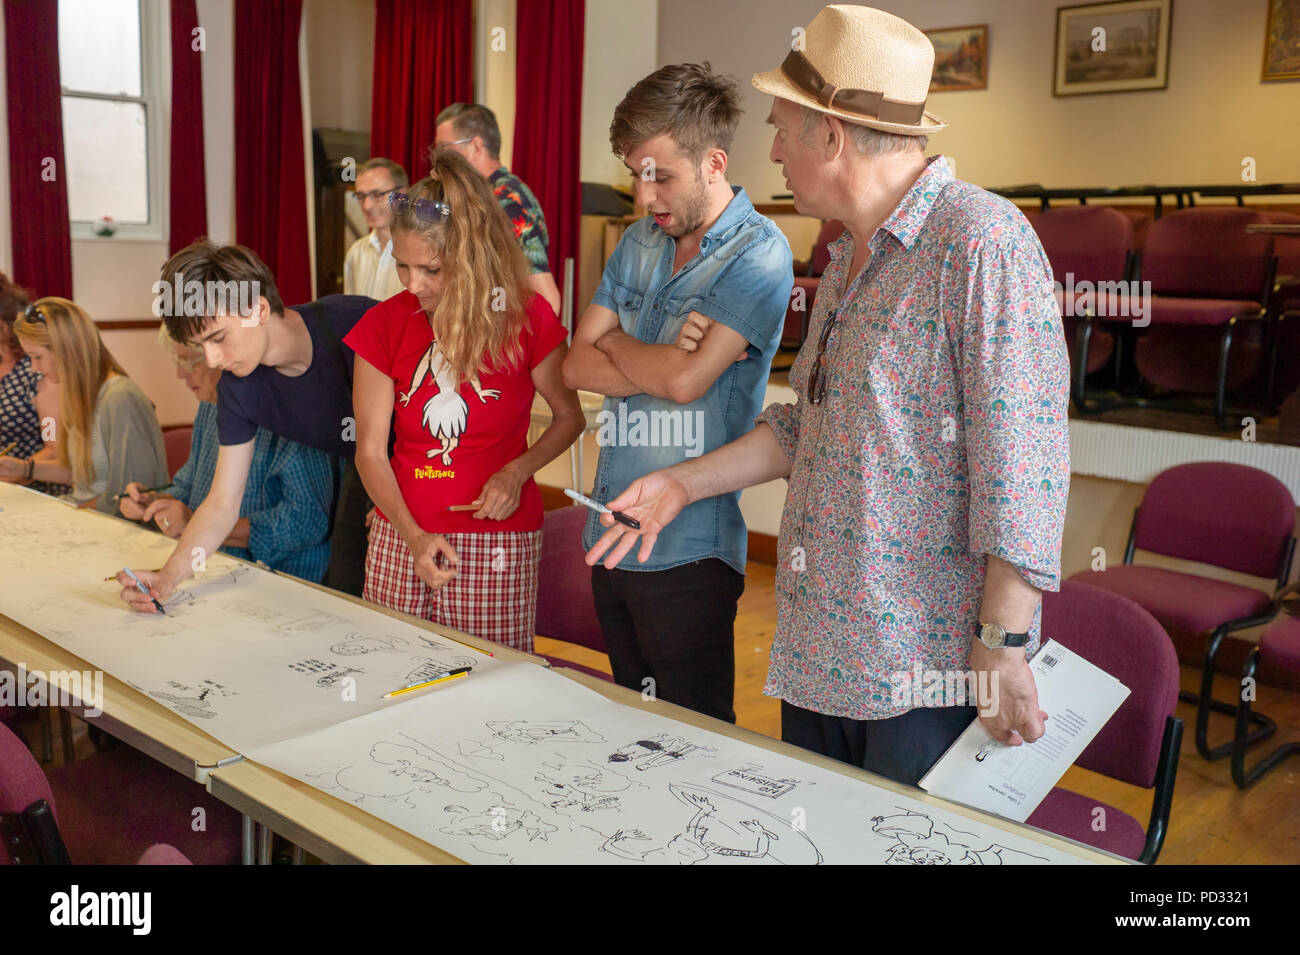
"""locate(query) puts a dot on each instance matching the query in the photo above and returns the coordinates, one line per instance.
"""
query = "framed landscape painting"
(1282, 41)
(961, 58)
(1112, 47)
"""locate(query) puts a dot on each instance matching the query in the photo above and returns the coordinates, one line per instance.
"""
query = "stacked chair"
(1226, 515)
(1279, 646)
(1209, 277)
(1091, 244)
(1219, 294)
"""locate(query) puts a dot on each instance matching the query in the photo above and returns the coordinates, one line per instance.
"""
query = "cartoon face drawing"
(446, 413)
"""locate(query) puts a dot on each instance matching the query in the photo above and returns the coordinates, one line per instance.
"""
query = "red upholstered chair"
(1284, 346)
(177, 442)
(1226, 515)
(807, 276)
(163, 855)
(1086, 244)
(1140, 743)
(1279, 645)
(566, 609)
(105, 809)
(1286, 356)
(1207, 276)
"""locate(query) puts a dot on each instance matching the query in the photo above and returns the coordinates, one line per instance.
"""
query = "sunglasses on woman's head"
(33, 313)
(427, 210)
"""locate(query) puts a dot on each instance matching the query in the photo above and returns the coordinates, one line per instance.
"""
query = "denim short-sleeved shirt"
(741, 278)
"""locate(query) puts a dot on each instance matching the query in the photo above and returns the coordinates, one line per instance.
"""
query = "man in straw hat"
(927, 452)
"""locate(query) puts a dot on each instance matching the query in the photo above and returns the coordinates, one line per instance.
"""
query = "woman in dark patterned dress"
(26, 398)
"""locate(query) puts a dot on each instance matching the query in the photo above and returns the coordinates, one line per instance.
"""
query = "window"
(109, 53)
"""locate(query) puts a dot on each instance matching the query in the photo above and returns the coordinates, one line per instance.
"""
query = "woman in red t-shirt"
(458, 356)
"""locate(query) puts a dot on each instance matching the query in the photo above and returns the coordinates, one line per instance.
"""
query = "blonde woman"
(109, 433)
(459, 357)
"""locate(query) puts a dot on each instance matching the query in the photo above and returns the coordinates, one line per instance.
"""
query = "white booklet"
(1012, 780)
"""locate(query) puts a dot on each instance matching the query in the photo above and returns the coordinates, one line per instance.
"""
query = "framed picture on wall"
(1112, 47)
(1282, 41)
(961, 58)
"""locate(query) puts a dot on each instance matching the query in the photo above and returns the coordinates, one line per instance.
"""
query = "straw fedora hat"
(863, 65)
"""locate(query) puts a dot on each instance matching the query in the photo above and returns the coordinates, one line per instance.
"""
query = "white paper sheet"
(247, 656)
(524, 766)
(1012, 780)
(511, 764)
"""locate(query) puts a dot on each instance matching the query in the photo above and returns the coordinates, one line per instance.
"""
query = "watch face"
(992, 635)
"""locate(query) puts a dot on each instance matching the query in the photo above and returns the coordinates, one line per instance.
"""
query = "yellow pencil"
(8, 447)
(454, 675)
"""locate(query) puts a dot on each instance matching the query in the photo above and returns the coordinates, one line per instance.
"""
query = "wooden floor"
(1212, 821)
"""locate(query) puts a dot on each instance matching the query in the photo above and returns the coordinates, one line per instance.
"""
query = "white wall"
(340, 42)
(494, 83)
(618, 50)
(1214, 112)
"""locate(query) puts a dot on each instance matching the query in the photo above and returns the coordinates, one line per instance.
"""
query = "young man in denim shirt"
(680, 336)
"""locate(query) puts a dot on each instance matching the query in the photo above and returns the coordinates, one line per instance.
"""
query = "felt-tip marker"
(139, 585)
(602, 509)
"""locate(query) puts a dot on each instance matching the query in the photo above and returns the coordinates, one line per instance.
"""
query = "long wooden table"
(340, 832)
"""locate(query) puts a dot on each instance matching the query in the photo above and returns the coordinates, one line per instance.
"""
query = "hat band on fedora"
(869, 104)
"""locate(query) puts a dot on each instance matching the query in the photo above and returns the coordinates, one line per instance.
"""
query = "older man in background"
(472, 131)
(369, 268)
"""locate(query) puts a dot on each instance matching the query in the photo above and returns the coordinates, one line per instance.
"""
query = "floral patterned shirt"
(942, 437)
(525, 215)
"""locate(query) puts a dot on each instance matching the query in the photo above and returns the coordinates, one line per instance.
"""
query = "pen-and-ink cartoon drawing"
(357, 644)
(659, 750)
(919, 841)
(721, 829)
(586, 787)
(396, 771)
(193, 701)
(526, 731)
(445, 413)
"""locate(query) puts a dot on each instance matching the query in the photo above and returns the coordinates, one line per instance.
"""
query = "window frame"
(155, 95)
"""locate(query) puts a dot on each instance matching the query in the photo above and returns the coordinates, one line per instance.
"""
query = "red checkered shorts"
(493, 595)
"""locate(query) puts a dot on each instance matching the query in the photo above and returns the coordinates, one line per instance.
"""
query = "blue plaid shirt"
(287, 499)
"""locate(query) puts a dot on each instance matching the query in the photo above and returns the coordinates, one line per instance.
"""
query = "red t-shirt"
(450, 441)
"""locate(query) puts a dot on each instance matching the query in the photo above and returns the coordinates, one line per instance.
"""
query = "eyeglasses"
(33, 313)
(189, 364)
(817, 378)
(428, 210)
(455, 142)
(376, 194)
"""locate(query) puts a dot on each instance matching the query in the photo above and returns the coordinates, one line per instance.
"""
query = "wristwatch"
(995, 638)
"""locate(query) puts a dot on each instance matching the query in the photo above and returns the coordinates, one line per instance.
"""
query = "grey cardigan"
(126, 444)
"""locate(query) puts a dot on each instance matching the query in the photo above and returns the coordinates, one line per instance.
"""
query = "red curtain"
(423, 62)
(188, 200)
(38, 186)
(271, 168)
(548, 117)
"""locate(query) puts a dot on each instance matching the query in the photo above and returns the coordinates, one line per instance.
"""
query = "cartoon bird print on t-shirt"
(445, 413)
